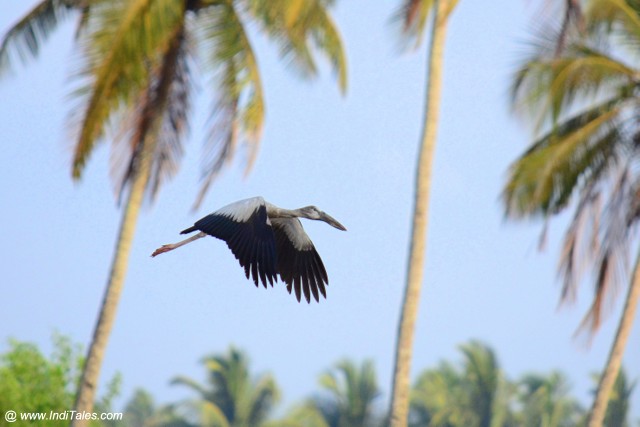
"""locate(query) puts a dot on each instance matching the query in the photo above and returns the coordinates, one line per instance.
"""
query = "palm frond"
(572, 19)
(617, 20)
(438, 397)
(282, 21)
(175, 124)
(302, 28)
(239, 108)
(306, 414)
(264, 394)
(618, 230)
(581, 240)
(544, 86)
(26, 37)
(482, 379)
(620, 13)
(212, 415)
(119, 52)
(413, 16)
(189, 383)
(85, 10)
(328, 41)
(543, 179)
(329, 382)
(351, 393)
(161, 114)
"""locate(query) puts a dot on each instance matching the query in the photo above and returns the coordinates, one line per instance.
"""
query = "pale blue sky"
(352, 156)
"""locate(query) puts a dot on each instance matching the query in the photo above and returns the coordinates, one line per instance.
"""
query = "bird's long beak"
(332, 221)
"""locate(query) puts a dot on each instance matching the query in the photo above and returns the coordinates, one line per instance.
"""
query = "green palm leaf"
(584, 102)
(27, 35)
(546, 86)
(239, 107)
(543, 179)
(124, 41)
(619, 13)
(304, 415)
(351, 394)
(301, 28)
(231, 397)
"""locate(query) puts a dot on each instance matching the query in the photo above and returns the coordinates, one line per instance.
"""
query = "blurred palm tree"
(135, 88)
(483, 384)
(413, 14)
(139, 409)
(352, 393)
(435, 398)
(584, 104)
(475, 395)
(348, 400)
(231, 397)
(546, 402)
(142, 411)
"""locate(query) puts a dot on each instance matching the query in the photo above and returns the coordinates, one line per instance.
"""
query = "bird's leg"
(171, 246)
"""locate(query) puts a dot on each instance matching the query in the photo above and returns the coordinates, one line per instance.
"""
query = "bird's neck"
(276, 212)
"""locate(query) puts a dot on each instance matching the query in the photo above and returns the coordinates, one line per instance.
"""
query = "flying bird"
(267, 241)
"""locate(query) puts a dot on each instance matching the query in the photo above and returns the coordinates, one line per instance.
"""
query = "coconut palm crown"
(137, 65)
(584, 105)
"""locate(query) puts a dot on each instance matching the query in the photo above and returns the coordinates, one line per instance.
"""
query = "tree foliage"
(474, 395)
(471, 392)
(231, 397)
(583, 104)
(137, 73)
(32, 382)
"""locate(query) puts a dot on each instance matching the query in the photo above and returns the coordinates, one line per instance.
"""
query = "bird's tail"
(189, 230)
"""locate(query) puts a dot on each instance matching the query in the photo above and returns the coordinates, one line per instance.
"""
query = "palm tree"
(349, 395)
(474, 395)
(352, 393)
(136, 83)
(414, 14)
(585, 154)
(435, 398)
(141, 411)
(231, 397)
(546, 403)
(483, 384)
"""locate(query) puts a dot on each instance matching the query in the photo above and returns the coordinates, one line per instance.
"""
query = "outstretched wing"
(246, 229)
(299, 264)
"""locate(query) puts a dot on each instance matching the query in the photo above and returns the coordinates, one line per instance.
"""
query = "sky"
(352, 156)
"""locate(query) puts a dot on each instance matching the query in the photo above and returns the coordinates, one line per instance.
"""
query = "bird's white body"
(267, 241)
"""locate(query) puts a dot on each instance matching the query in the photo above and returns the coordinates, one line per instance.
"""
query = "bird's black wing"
(299, 264)
(246, 229)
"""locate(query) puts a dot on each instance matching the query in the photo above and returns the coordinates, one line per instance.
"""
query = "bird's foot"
(162, 249)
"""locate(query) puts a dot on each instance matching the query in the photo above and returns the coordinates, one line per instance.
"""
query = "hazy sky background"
(352, 156)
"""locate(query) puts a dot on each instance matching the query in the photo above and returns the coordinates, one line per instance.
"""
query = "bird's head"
(312, 212)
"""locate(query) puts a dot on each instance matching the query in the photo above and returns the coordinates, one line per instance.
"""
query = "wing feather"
(299, 264)
(246, 229)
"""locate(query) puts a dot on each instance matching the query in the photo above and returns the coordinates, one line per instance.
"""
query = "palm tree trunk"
(404, 346)
(85, 396)
(612, 368)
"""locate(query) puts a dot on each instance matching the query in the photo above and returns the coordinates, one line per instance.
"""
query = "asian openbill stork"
(268, 241)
